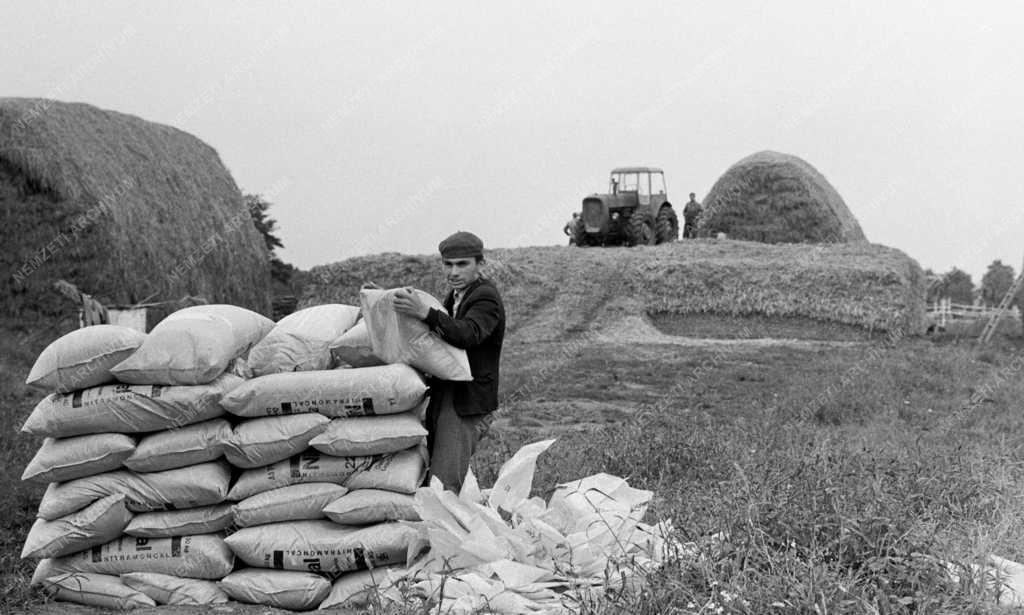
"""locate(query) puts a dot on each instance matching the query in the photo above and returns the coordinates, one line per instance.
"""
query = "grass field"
(841, 476)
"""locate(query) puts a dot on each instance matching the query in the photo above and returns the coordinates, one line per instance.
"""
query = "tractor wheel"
(579, 234)
(639, 231)
(666, 225)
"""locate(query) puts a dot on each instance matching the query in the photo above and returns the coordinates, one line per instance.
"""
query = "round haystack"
(127, 210)
(777, 198)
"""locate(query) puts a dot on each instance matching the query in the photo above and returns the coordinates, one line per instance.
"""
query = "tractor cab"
(635, 211)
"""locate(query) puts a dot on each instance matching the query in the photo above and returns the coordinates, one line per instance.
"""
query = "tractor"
(635, 211)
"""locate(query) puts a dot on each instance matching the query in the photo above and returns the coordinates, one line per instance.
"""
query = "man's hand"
(409, 303)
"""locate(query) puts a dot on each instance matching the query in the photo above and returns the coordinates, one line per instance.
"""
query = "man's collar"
(467, 287)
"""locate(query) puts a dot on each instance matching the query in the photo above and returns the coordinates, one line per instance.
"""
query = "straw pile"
(554, 292)
(777, 198)
(123, 208)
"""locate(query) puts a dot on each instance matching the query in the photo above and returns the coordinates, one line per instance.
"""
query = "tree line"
(957, 285)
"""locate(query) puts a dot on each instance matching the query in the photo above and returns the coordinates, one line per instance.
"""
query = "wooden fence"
(944, 311)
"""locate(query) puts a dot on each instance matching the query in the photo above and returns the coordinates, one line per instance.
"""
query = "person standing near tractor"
(567, 229)
(473, 319)
(691, 213)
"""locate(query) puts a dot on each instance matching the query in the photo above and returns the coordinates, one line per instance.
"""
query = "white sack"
(100, 590)
(100, 522)
(398, 338)
(322, 546)
(203, 556)
(83, 357)
(177, 448)
(366, 506)
(364, 391)
(301, 341)
(169, 589)
(167, 523)
(370, 435)
(401, 472)
(267, 440)
(62, 459)
(353, 349)
(190, 487)
(122, 408)
(282, 589)
(193, 345)
(292, 503)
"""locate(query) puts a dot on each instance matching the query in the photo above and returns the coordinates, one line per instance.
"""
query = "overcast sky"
(384, 127)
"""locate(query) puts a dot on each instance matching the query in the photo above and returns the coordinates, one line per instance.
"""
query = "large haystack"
(557, 292)
(777, 198)
(127, 210)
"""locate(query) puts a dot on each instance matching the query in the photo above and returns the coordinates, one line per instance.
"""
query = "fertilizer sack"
(83, 358)
(193, 345)
(122, 408)
(177, 448)
(281, 589)
(367, 506)
(169, 589)
(401, 472)
(167, 523)
(365, 391)
(292, 503)
(398, 338)
(353, 349)
(100, 522)
(204, 556)
(301, 341)
(190, 487)
(100, 590)
(322, 546)
(352, 589)
(360, 436)
(70, 458)
(270, 439)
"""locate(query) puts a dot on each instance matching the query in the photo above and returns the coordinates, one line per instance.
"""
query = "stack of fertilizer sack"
(309, 476)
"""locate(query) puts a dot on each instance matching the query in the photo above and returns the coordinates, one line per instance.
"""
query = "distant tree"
(266, 225)
(996, 281)
(957, 286)
(280, 271)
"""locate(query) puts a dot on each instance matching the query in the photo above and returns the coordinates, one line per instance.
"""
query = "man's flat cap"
(461, 245)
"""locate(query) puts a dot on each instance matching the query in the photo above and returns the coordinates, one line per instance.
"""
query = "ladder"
(993, 323)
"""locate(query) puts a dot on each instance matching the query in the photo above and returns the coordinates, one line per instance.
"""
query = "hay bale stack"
(777, 198)
(123, 208)
(555, 292)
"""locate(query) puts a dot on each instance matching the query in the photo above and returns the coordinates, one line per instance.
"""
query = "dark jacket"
(479, 328)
